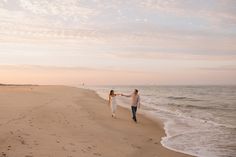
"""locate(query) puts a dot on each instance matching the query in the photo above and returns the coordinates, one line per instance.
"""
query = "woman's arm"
(109, 100)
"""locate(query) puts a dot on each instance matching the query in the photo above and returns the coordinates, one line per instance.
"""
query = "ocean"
(198, 120)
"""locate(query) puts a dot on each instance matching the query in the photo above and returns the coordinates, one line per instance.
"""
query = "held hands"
(121, 94)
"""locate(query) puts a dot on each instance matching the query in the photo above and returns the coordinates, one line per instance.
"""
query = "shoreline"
(153, 118)
(69, 121)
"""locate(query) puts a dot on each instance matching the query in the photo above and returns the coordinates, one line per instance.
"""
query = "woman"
(112, 102)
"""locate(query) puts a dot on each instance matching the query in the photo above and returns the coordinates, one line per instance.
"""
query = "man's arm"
(139, 102)
(126, 95)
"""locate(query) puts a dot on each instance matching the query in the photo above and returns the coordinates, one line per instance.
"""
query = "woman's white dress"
(113, 105)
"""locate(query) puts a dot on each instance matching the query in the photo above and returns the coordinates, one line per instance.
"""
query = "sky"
(118, 42)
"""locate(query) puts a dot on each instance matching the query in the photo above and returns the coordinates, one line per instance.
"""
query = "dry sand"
(59, 121)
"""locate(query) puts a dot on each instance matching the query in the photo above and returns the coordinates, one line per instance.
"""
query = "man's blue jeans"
(134, 110)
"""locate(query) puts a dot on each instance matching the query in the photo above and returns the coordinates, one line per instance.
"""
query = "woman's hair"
(111, 92)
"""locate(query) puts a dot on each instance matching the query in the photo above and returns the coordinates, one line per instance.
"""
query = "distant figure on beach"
(113, 103)
(135, 103)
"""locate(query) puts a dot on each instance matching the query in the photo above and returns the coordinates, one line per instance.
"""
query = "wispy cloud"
(116, 34)
(231, 68)
(174, 56)
(216, 11)
(60, 9)
(89, 21)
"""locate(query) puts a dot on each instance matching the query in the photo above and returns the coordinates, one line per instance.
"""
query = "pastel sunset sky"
(98, 42)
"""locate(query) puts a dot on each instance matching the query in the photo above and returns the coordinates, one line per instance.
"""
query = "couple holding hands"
(135, 102)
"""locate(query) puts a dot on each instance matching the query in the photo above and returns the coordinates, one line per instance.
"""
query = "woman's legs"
(113, 110)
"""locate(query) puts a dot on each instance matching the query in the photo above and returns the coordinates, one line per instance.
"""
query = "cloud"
(231, 68)
(89, 21)
(217, 11)
(115, 29)
(60, 8)
(147, 55)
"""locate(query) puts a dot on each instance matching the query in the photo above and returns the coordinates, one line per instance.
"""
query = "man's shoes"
(135, 120)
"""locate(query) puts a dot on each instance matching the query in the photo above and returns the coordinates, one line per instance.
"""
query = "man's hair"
(136, 91)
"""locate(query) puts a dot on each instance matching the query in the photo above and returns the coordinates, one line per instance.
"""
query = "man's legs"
(134, 110)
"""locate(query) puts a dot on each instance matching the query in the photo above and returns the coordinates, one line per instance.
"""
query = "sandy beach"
(60, 121)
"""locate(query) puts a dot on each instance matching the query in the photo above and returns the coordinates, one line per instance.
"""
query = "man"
(135, 103)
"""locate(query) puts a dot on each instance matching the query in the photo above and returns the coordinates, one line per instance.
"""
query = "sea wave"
(183, 98)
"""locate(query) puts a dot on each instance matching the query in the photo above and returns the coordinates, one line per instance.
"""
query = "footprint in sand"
(9, 147)
(89, 148)
(36, 143)
(22, 141)
(64, 149)
(135, 146)
(4, 154)
(72, 144)
(149, 139)
(125, 139)
(97, 154)
(84, 151)
(26, 134)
